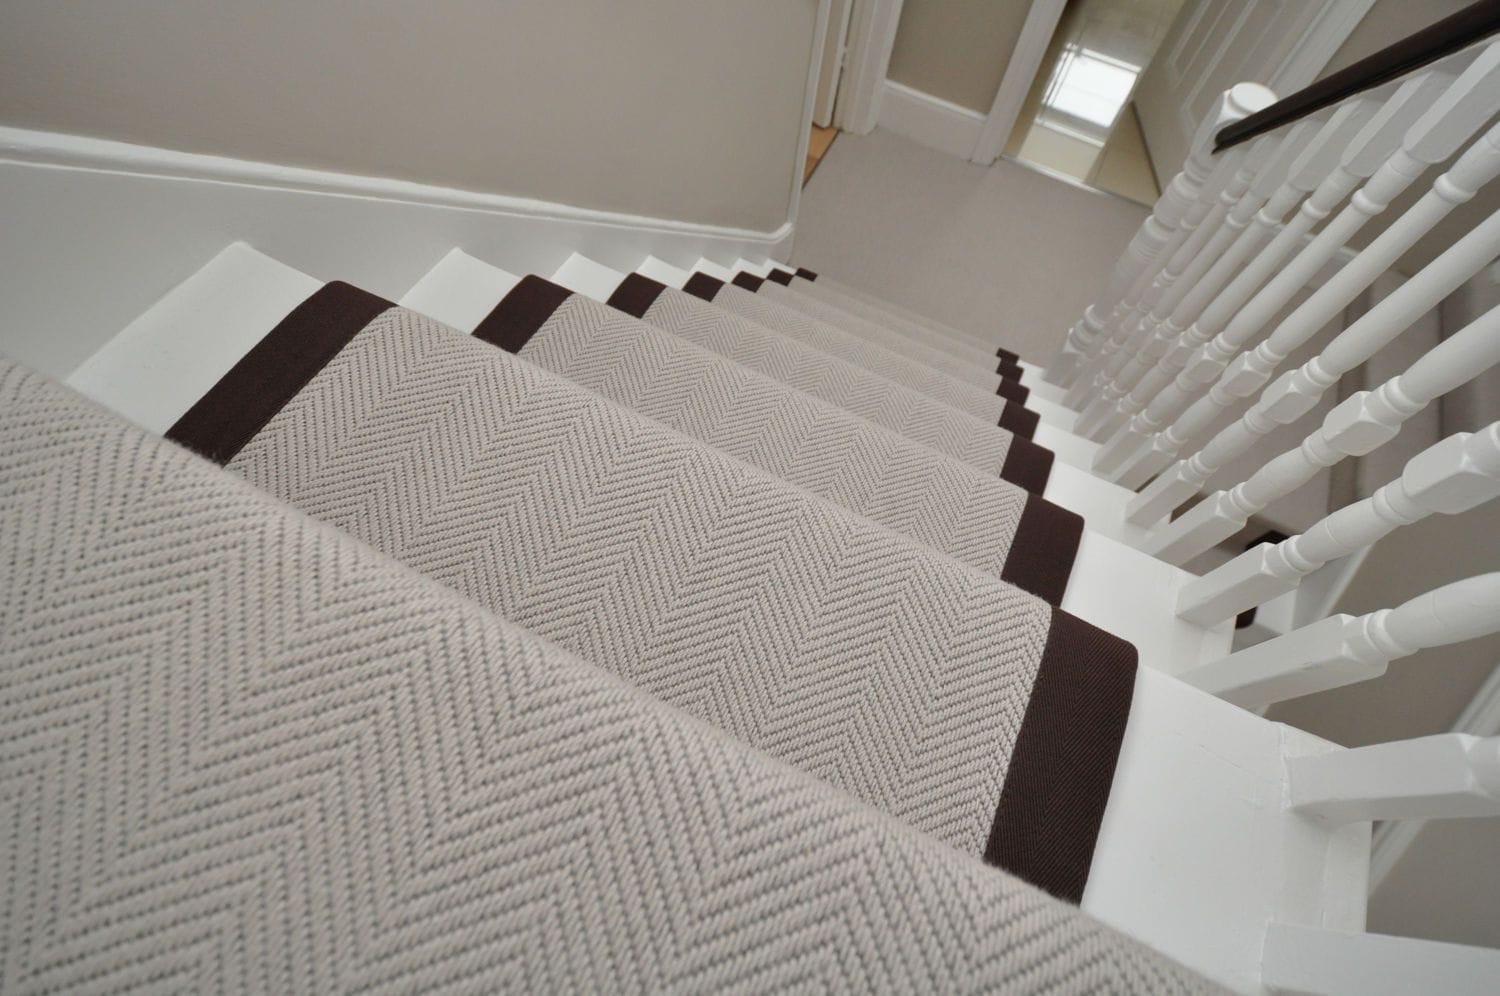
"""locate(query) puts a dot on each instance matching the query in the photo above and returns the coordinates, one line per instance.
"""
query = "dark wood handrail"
(1474, 22)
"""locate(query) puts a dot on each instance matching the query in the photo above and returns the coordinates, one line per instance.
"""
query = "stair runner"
(245, 751)
(790, 528)
(979, 442)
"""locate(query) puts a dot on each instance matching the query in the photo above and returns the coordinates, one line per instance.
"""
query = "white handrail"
(1450, 477)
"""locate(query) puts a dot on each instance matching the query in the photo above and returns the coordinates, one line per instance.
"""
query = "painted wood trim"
(1482, 719)
(804, 123)
(831, 65)
(40, 148)
(143, 219)
(1020, 72)
(930, 120)
(872, 36)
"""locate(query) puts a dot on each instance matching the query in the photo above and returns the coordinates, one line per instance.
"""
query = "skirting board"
(100, 230)
(929, 120)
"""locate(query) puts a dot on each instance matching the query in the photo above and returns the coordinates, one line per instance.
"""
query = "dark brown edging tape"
(1041, 555)
(806, 274)
(1007, 355)
(1012, 391)
(636, 294)
(749, 281)
(257, 387)
(1009, 370)
(1027, 465)
(704, 286)
(1064, 759)
(782, 277)
(520, 313)
(1020, 420)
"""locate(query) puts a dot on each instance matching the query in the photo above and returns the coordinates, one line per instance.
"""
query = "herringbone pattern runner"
(240, 751)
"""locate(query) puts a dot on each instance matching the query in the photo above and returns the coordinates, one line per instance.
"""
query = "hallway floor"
(1003, 250)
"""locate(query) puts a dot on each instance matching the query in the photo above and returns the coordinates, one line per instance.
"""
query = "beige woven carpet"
(1002, 250)
(868, 470)
(916, 415)
(935, 692)
(242, 752)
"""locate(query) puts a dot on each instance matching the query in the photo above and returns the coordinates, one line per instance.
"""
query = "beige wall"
(956, 49)
(1388, 22)
(676, 109)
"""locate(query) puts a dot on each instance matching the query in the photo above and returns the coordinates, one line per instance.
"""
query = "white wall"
(675, 109)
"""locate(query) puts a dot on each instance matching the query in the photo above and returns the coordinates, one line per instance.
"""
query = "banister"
(1454, 33)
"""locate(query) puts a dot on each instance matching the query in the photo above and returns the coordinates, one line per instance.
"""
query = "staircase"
(712, 623)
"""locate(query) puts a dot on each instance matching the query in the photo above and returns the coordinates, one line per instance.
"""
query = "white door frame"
(872, 35)
(835, 42)
(1025, 59)
(867, 58)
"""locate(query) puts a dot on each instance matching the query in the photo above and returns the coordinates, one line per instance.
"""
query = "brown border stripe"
(520, 313)
(782, 277)
(806, 274)
(1007, 355)
(749, 281)
(1009, 370)
(1019, 420)
(1041, 555)
(636, 294)
(704, 286)
(1063, 764)
(1027, 465)
(1011, 391)
(276, 368)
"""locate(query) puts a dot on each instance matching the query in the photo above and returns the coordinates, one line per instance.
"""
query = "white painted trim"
(872, 36)
(804, 135)
(831, 66)
(43, 148)
(930, 120)
(130, 222)
(1025, 59)
(1482, 719)
(1335, 21)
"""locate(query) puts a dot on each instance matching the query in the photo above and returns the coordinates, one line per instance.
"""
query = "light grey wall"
(956, 49)
(675, 109)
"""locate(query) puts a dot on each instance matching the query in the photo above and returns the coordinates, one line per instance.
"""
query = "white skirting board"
(930, 120)
(99, 231)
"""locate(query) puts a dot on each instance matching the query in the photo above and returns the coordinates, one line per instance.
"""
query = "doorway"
(1078, 120)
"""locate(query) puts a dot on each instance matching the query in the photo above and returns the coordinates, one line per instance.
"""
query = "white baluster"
(1296, 393)
(1251, 222)
(1308, 162)
(1172, 221)
(1451, 120)
(1186, 267)
(1343, 649)
(1359, 425)
(1447, 478)
(1385, 132)
(1445, 776)
(1302, 959)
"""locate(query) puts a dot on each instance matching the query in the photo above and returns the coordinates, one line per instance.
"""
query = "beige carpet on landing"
(1002, 250)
